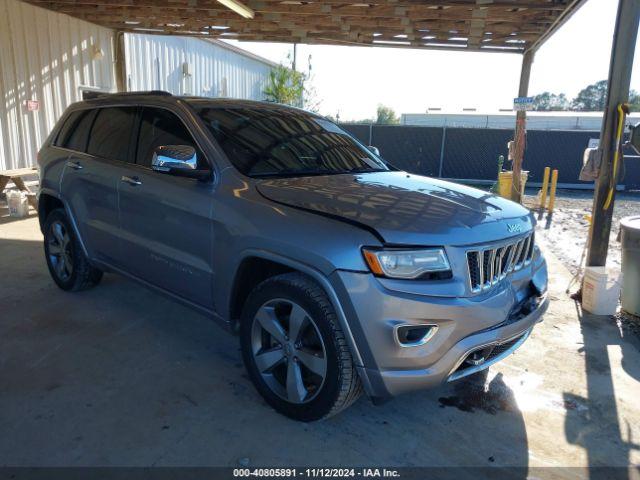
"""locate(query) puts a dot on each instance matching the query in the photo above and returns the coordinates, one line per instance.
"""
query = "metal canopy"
(506, 26)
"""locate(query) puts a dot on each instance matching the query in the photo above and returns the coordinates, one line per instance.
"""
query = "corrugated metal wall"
(155, 62)
(46, 57)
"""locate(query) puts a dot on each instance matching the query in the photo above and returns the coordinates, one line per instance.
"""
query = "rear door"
(165, 219)
(99, 144)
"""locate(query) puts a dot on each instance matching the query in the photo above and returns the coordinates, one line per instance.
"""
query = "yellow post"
(552, 194)
(545, 187)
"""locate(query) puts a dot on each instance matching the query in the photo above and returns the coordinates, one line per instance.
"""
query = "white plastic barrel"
(600, 291)
(630, 238)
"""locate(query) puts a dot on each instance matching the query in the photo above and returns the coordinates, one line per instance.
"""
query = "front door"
(165, 219)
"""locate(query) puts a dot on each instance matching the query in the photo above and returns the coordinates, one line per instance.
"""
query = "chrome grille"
(487, 266)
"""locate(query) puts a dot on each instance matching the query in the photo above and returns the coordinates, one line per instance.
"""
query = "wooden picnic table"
(15, 176)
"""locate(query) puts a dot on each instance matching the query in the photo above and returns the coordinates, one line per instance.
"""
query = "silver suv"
(339, 273)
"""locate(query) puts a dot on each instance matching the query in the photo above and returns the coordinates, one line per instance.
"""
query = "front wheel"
(295, 351)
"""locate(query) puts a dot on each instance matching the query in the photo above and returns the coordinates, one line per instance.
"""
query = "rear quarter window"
(75, 131)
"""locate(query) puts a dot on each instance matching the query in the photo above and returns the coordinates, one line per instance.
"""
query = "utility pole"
(622, 53)
(295, 57)
(521, 127)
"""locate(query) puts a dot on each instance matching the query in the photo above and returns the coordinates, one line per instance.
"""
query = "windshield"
(264, 142)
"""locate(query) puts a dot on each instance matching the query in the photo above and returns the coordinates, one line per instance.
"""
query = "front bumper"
(464, 325)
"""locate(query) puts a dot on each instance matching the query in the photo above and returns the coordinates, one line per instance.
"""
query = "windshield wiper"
(290, 173)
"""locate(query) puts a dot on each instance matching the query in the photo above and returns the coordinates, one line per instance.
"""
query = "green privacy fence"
(472, 153)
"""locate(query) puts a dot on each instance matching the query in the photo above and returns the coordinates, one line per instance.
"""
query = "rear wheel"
(295, 351)
(68, 265)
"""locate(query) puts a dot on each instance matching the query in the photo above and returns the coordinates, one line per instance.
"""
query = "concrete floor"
(121, 376)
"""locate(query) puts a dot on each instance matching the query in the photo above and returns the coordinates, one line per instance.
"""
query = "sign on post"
(521, 104)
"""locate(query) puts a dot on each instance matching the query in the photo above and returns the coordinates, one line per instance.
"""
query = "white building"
(193, 66)
(535, 120)
(49, 60)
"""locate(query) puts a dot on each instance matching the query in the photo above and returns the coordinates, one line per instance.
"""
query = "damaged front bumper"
(467, 334)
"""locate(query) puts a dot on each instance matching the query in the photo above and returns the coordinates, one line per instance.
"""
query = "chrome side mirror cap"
(374, 150)
(167, 158)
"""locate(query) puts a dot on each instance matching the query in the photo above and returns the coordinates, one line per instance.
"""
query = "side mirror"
(374, 150)
(177, 160)
(167, 158)
(635, 137)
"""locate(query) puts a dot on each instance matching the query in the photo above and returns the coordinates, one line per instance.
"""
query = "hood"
(405, 209)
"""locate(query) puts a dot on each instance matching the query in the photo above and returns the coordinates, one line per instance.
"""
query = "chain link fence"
(472, 153)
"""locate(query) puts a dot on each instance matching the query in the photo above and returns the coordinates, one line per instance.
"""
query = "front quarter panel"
(244, 222)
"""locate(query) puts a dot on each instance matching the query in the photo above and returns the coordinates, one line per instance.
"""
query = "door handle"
(131, 180)
(75, 165)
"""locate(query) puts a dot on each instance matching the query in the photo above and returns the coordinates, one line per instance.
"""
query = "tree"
(548, 102)
(290, 87)
(634, 101)
(284, 85)
(386, 116)
(592, 98)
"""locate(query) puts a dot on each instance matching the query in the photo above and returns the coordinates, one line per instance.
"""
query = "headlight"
(406, 263)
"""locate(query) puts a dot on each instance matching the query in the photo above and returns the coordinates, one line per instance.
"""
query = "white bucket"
(600, 291)
(18, 203)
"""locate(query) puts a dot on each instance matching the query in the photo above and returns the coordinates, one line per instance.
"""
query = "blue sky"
(354, 80)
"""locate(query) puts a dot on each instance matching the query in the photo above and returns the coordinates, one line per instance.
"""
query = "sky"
(352, 81)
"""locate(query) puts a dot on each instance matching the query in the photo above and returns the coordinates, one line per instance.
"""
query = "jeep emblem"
(514, 227)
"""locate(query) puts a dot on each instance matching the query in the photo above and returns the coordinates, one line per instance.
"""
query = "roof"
(506, 26)
(241, 51)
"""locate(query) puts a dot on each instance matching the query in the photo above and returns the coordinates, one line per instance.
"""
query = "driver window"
(160, 127)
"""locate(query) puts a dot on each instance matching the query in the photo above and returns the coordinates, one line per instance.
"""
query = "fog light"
(414, 335)
(479, 356)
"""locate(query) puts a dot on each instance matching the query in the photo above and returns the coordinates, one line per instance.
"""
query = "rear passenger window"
(160, 127)
(111, 133)
(75, 131)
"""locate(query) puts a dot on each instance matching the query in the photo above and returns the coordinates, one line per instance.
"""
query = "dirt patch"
(566, 232)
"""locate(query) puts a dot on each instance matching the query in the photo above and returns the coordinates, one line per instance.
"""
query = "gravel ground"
(567, 230)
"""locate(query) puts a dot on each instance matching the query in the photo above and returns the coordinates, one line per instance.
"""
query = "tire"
(320, 341)
(67, 263)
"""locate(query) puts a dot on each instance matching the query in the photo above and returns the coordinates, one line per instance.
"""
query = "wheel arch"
(48, 201)
(282, 264)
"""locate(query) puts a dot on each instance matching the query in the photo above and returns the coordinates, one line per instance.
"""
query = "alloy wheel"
(59, 250)
(288, 351)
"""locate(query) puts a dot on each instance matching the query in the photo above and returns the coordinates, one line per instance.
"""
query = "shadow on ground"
(605, 348)
(118, 375)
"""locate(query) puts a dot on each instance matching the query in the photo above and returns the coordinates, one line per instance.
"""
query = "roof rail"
(151, 92)
(92, 95)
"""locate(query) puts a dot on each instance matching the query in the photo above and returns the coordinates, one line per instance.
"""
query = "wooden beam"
(480, 25)
(521, 128)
